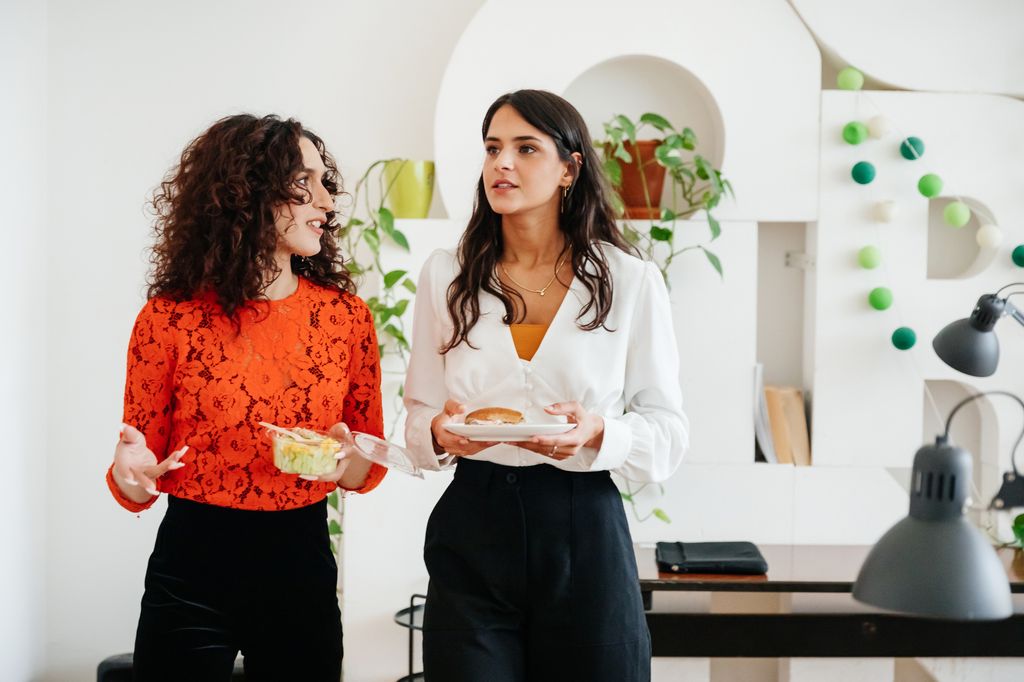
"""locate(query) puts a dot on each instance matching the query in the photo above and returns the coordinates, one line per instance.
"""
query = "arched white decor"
(755, 58)
(869, 398)
(947, 46)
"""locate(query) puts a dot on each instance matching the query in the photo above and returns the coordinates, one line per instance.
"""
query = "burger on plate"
(494, 415)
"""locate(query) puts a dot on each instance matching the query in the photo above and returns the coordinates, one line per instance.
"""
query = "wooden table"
(816, 569)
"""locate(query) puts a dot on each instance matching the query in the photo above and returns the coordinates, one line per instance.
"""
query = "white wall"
(26, 198)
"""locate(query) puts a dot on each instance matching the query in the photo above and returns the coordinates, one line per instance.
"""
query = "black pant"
(224, 580)
(532, 577)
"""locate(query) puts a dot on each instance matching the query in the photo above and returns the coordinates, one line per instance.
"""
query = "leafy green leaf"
(333, 527)
(387, 220)
(410, 285)
(716, 229)
(391, 278)
(631, 235)
(689, 139)
(675, 141)
(665, 157)
(373, 240)
(399, 237)
(401, 306)
(613, 170)
(621, 153)
(627, 127)
(715, 263)
(661, 234)
(660, 513)
(627, 498)
(667, 215)
(657, 121)
(396, 333)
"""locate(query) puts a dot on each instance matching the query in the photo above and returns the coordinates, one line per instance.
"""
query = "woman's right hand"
(449, 442)
(135, 467)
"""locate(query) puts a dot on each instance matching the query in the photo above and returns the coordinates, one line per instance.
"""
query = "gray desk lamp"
(970, 346)
(934, 563)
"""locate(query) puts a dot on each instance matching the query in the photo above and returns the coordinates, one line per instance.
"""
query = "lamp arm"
(1011, 284)
(949, 420)
(1014, 311)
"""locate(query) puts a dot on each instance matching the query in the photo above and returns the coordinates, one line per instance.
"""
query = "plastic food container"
(303, 451)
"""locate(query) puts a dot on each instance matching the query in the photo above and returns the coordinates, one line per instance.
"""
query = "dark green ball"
(1018, 256)
(863, 172)
(904, 338)
(912, 148)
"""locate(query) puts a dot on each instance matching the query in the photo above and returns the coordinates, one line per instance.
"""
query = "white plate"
(507, 432)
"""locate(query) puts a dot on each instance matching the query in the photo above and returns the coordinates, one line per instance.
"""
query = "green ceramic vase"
(412, 187)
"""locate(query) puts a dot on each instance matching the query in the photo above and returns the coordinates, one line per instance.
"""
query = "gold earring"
(561, 204)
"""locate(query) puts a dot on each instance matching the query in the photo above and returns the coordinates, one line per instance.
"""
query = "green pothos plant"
(696, 185)
(370, 224)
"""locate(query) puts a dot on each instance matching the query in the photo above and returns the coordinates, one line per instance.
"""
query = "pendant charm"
(541, 292)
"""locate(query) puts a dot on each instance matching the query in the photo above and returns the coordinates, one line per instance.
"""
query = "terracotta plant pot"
(632, 188)
(412, 187)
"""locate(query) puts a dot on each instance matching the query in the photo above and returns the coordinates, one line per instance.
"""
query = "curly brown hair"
(214, 213)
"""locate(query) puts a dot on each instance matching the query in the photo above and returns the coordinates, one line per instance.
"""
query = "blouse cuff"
(373, 478)
(126, 502)
(615, 446)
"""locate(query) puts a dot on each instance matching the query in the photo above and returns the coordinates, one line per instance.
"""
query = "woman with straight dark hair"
(251, 318)
(546, 310)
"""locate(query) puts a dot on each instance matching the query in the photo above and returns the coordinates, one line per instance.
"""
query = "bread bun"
(494, 415)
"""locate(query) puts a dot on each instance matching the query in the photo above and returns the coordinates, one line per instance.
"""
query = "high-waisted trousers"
(225, 580)
(532, 579)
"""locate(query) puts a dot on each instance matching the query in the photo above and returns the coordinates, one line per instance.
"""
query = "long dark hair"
(214, 213)
(587, 219)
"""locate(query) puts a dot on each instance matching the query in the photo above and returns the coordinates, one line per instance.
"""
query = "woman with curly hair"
(251, 317)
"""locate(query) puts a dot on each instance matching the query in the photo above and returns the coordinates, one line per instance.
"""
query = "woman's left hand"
(341, 433)
(589, 433)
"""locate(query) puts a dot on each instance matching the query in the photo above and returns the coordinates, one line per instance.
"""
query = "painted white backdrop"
(107, 93)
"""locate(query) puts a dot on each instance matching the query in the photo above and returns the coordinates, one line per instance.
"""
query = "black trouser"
(532, 578)
(224, 580)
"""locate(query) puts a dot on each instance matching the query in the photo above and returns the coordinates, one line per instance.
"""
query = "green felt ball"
(870, 257)
(880, 298)
(1018, 256)
(912, 148)
(930, 185)
(850, 79)
(863, 172)
(904, 338)
(956, 214)
(855, 132)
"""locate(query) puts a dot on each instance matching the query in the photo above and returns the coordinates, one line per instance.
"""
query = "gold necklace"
(542, 290)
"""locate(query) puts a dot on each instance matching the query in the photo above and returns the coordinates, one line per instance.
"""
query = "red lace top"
(308, 360)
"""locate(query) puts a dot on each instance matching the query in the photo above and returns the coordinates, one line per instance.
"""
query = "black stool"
(119, 669)
(412, 618)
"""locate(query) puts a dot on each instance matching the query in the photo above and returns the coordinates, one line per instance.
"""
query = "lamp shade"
(934, 563)
(969, 345)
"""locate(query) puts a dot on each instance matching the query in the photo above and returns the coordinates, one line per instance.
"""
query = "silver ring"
(554, 450)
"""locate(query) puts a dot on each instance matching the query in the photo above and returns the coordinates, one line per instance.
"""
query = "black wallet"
(710, 557)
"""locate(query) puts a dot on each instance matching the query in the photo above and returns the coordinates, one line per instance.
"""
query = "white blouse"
(629, 375)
